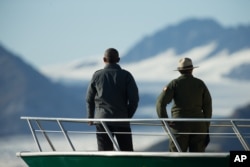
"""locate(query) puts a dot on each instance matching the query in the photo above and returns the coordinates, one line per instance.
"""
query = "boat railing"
(236, 128)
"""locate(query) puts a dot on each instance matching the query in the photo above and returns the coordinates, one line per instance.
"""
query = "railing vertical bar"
(117, 148)
(45, 135)
(239, 136)
(34, 135)
(66, 135)
(168, 131)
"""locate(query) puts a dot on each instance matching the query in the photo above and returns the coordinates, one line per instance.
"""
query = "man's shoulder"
(125, 71)
(175, 80)
(198, 79)
(98, 71)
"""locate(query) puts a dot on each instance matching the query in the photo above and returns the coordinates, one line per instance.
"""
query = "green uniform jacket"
(191, 98)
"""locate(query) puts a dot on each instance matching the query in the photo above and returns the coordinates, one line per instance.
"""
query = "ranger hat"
(185, 64)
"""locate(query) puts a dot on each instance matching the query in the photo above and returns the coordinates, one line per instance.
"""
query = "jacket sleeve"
(207, 103)
(163, 99)
(90, 99)
(133, 96)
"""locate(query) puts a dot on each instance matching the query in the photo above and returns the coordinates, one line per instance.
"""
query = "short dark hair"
(112, 55)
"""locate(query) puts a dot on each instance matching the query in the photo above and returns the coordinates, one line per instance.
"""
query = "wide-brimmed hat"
(185, 64)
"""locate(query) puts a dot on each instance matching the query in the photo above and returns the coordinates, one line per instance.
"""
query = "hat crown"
(185, 62)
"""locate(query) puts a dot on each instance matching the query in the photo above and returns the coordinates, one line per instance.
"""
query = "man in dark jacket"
(112, 93)
(191, 99)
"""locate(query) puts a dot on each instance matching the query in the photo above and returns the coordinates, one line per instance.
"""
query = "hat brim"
(183, 69)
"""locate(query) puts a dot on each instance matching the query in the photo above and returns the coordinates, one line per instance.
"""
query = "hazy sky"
(46, 32)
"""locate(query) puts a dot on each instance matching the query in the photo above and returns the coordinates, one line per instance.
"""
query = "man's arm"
(90, 100)
(133, 96)
(207, 104)
(163, 99)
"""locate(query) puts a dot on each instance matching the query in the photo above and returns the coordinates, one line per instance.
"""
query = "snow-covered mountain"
(190, 34)
(222, 54)
(217, 68)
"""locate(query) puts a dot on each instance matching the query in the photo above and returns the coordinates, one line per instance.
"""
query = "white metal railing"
(36, 125)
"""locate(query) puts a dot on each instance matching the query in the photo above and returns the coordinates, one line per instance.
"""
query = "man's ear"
(118, 59)
(105, 59)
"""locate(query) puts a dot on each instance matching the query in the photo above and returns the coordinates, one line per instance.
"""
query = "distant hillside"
(189, 34)
(240, 72)
(25, 92)
(242, 112)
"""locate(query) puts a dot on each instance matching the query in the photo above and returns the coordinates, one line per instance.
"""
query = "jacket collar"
(186, 75)
(112, 66)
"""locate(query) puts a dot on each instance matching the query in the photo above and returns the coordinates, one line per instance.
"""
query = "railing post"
(117, 148)
(240, 137)
(45, 135)
(66, 135)
(167, 129)
(34, 135)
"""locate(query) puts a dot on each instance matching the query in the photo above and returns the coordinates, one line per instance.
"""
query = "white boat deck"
(122, 153)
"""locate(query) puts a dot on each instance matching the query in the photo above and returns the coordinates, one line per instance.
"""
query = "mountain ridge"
(24, 91)
(203, 40)
(189, 34)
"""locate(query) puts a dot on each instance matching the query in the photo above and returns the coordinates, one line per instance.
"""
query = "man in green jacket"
(191, 99)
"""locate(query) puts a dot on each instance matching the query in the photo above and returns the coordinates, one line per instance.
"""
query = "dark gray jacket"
(112, 93)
